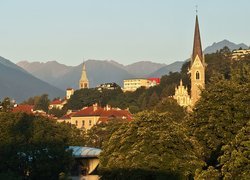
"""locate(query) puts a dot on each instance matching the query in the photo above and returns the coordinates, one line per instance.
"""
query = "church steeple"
(83, 83)
(197, 48)
(197, 68)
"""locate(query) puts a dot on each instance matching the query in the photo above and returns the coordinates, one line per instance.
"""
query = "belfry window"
(197, 75)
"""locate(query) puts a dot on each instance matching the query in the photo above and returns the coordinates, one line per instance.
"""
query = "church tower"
(84, 82)
(197, 66)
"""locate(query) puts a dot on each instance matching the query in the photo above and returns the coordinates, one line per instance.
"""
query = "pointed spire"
(83, 83)
(197, 49)
(84, 74)
(181, 82)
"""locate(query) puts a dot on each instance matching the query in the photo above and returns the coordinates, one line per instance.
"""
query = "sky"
(127, 31)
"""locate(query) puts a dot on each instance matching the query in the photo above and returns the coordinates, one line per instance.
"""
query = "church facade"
(197, 72)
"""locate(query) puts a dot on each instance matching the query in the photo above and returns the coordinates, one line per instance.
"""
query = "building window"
(83, 122)
(76, 122)
(197, 75)
(90, 123)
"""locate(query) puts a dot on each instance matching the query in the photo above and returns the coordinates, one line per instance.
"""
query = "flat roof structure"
(85, 152)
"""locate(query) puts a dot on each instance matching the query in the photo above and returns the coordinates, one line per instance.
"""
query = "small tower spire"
(84, 82)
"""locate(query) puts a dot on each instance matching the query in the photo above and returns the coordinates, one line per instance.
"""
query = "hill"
(219, 45)
(18, 84)
(143, 68)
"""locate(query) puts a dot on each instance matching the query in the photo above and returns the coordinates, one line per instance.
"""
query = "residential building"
(239, 54)
(133, 84)
(24, 108)
(109, 86)
(87, 117)
(57, 103)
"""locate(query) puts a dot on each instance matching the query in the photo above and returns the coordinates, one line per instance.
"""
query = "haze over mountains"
(16, 83)
(99, 71)
(35, 78)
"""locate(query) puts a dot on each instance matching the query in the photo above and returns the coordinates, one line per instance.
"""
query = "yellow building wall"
(133, 84)
(84, 122)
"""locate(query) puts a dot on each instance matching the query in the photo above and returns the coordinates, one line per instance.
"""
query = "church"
(197, 72)
(84, 82)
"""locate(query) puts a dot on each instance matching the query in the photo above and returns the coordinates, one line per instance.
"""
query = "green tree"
(32, 100)
(100, 134)
(43, 103)
(153, 142)
(6, 105)
(57, 112)
(210, 173)
(235, 160)
(171, 106)
(33, 147)
(153, 100)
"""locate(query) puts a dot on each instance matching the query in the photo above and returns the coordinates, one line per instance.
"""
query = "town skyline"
(126, 32)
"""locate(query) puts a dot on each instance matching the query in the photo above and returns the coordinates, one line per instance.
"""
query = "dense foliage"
(34, 147)
(100, 134)
(153, 141)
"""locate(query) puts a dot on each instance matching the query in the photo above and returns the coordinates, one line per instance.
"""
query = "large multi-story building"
(87, 117)
(197, 72)
(133, 84)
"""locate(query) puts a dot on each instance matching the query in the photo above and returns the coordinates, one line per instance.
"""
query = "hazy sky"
(123, 30)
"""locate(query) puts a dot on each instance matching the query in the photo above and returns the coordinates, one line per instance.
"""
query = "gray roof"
(83, 152)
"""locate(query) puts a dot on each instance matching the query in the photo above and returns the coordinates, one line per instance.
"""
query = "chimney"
(95, 107)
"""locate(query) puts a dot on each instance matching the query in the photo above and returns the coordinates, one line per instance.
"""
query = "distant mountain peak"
(221, 44)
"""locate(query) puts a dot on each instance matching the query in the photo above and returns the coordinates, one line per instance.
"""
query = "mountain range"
(18, 84)
(26, 79)
(99, 71)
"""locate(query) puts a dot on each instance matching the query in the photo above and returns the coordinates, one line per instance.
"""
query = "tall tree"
(153, 142)
(43, 103)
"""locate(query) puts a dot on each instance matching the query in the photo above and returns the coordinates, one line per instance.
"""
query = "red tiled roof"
(57, 101)
(68, 116)
(89, 111)
(104, 113)
(23, 108)
(157, 80)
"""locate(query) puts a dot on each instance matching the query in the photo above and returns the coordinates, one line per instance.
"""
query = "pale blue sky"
(123, 30)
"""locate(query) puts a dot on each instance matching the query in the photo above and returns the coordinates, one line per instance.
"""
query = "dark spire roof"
(197, 49)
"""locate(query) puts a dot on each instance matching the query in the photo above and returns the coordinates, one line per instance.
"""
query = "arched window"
(197, 75)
